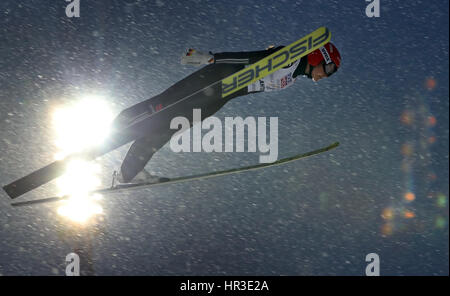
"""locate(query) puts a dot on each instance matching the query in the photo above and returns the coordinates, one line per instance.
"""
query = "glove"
(195, 57)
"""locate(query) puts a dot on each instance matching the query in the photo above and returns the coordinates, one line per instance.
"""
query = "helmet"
(328, 53)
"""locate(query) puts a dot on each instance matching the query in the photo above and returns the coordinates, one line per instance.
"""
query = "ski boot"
(143, 177)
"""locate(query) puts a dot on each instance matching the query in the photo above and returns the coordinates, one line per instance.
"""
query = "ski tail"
(35, 179)
(43, 175)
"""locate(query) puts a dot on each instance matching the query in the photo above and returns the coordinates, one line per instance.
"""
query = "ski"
(131, 186)
(140, 123)
(276, 61)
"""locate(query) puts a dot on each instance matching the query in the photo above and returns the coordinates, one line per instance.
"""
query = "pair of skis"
(229, 85)
(166, 181)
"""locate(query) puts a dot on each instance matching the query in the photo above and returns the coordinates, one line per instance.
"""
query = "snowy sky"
(384, 190)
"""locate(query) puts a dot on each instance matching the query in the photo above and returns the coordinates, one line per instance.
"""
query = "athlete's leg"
(140, 153)
(142, 150)
(158, 132)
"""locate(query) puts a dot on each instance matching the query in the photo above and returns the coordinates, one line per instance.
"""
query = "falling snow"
(320, 216)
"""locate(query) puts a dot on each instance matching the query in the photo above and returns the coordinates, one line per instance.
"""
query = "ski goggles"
(329, 69)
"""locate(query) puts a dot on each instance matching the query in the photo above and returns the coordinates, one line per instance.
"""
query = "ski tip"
(334, 145)
(330, 147)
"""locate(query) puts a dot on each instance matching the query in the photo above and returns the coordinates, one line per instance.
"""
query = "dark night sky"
(320, 216)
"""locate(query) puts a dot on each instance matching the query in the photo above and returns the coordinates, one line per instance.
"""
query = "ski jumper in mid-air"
(319, 64)
(227, 75)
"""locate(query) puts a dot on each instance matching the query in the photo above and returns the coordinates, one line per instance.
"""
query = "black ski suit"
(156, 132)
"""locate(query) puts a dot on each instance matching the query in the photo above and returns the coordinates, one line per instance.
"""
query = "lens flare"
(431, 121)
(409, 196)
(77, 127)
(430, 83)
(79, 208)
(432, 140)
(441, 200)
(408, 214)
(407, 149)
(81, 125)
(387, 229)
(79, 179)
(440, 222)
(388, 214)
(407, 117)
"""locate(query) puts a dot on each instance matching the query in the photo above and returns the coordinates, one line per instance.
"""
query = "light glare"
(79, 127)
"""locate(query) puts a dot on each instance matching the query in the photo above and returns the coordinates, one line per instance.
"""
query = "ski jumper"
(158, 132)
